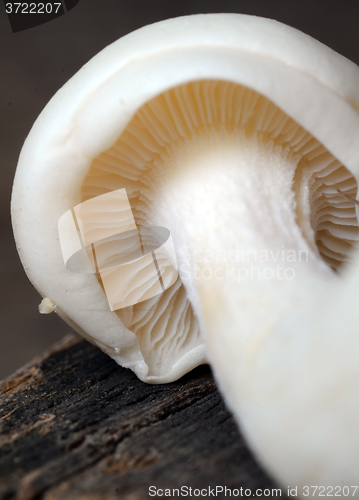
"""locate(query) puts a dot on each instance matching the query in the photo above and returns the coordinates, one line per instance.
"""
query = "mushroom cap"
(307, 80)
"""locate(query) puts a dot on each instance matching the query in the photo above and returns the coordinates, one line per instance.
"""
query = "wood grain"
(75, 425)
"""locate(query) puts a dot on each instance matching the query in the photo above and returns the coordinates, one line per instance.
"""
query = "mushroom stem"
(292, 387)
(251, 275)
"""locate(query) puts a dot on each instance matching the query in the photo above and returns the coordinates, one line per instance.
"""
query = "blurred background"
(35, 63)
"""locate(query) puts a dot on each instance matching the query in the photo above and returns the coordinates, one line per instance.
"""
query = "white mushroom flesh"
(239, 135)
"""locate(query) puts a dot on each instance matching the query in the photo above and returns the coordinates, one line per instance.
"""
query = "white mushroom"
(238, 134)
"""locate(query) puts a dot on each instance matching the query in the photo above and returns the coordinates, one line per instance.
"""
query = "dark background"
(35, 63)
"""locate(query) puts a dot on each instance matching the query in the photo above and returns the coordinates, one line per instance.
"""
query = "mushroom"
(238, 135)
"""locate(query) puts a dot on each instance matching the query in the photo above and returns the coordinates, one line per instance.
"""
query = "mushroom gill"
(203, 112)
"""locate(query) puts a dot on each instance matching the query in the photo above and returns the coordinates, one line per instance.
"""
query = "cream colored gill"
(226, 171)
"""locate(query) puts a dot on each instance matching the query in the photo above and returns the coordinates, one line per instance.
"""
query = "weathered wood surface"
(75, 425)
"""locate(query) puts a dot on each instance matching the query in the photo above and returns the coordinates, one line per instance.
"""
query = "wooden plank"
(75, 425)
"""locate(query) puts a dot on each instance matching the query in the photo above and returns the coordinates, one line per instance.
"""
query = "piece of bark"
(75, 425)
